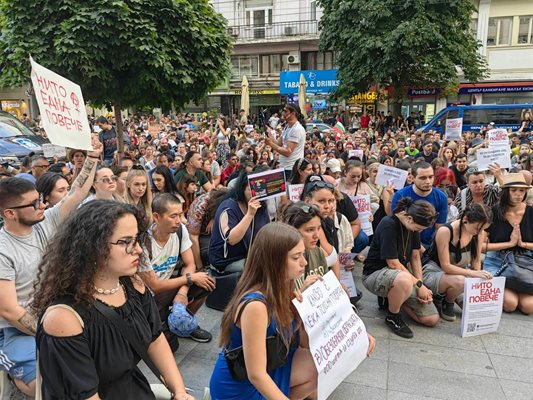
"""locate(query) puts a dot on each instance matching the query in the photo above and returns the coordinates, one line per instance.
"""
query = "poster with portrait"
(268, 184)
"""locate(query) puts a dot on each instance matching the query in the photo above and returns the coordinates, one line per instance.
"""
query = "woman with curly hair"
(92, 262)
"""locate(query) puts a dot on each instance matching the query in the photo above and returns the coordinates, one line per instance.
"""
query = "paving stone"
(513, 368)
(351, 391)
(372, 372)
(517, 390)
(508, 345)
(394, 395)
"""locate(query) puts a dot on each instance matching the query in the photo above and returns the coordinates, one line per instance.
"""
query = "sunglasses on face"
(35, 204)
(108, 180)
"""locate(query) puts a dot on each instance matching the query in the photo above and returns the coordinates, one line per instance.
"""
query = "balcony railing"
(277, 30)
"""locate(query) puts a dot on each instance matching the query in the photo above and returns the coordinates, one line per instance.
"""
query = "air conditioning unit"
(290, 31)
(293, 58)
(233, 31)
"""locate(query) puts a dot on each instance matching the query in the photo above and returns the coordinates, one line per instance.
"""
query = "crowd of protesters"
(144, 234)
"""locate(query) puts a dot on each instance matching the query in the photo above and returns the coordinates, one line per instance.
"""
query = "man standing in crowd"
(422, 189)
(163, 253)
(290, 145)
(108, 138)
(27, 230)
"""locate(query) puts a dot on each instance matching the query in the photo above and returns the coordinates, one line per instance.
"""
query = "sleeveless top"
(460, 257)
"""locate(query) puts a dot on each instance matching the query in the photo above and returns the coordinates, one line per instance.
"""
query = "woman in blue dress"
(260, 307)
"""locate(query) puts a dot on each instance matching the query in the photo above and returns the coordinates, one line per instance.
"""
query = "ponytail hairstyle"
(422, 212)
(296, 109)
(477, 213)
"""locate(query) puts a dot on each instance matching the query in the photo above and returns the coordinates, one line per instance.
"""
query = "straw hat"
(516, 180)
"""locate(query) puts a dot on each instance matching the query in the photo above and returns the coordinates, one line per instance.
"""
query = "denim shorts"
(18, 355)
(494, 260)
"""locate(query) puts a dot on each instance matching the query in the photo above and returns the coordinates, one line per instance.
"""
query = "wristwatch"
(189, 279)
(418, 284)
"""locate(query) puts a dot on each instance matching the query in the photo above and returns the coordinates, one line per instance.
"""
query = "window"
(325, 60)
(275, 63)
(525, 30)
(312, 16)
(473, 26)
(499, 32)
(248, 66)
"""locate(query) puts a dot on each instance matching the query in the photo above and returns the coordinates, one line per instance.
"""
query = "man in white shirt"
(290, 145)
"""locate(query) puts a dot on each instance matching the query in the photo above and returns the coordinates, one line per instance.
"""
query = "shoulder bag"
(518, 272)
(277, 351)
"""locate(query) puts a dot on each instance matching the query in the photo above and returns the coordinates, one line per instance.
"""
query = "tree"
(123, 52)
(403, 43)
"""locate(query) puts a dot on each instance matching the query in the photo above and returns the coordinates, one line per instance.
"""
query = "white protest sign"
(390, 175)
(295, 191)
(346, 277)
(358, 153)
(497, 154)
(482, 306)
(62, 108)
(337, 336)
(454, 128)
(498, 137)
(362, 205)
(51, 150)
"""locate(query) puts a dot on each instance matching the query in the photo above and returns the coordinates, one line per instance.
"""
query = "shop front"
(519, 92)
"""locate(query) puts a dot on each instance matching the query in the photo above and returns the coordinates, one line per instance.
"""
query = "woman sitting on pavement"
(162, 181)
(237, 222)
(260, 307)
(454, 255)
(82, 354)
(353, 183)
(511, 237)
(300, 171)
(393, 268)
(138, 192)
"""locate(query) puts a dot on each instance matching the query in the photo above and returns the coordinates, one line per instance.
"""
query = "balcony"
(293, 30)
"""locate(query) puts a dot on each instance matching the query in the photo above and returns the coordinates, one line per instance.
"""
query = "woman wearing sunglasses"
(83, 354)
(104, 186)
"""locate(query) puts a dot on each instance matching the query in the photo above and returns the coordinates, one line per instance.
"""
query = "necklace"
(107, 291)
(404, 243)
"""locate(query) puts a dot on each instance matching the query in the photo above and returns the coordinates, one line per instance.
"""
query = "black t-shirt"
(387, 245)
(347, 208)
(500, 230)
(460, 177)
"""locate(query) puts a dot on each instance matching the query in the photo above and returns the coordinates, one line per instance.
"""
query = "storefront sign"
(257, 92)
(363, 98)
(496, 89)
(319, 104)
(324, 81)
(422, 92)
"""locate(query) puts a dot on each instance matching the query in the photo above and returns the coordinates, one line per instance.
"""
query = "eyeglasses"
(36, 204)
(108, 180)
(129, 243)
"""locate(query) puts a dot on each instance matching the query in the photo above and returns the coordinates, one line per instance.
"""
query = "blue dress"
(224, 387)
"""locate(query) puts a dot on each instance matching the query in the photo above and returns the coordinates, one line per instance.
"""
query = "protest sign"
(497, 154)
(295, 191)
(482, 306)
(362, 205)
(358, 153)
(390, 175)
(268, 184)
(498, 137)
(337, 337)
(454, 129)
(62, 108)
(346, 277)
(51, 150)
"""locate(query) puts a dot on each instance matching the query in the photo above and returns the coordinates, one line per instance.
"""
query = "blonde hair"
(146, 200)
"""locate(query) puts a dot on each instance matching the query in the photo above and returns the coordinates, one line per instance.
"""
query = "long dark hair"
(169, 181)
(265, 271)
(473, 213)
(297, 168)
(296, 109)
(46, 183)
(505, 196)
(78, 251)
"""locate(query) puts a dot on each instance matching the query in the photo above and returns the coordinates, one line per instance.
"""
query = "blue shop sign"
(496, 89)
(319, 104)
(318, 81)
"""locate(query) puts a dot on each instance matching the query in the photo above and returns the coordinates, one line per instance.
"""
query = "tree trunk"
(120, 128)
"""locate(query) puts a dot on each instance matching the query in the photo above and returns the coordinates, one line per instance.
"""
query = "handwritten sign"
(390, 175)
(62, 108)
(497, 154)
(498, 137)
(357, 153)
(362, 205)
(346, 277)
(295, 191)
(268, 184)
(482, 306)
(454, 128)
(51, 150)
(337, 336)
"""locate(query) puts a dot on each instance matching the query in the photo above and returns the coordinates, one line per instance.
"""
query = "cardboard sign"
(358, 153)
(454, 129)
(295, 191)
(62, 108)
(268, 184)
(337, 336)
(498, 137)
(496, 154)
(390, 175)
(362, 205)
(346, 277)
(51, 151)
(482, 305)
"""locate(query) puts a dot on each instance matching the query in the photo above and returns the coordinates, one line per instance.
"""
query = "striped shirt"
(491, 195)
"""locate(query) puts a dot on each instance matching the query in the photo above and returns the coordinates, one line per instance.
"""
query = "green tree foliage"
(123, 52)
(402, 42)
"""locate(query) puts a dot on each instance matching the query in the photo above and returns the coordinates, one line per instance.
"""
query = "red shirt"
(365, 120)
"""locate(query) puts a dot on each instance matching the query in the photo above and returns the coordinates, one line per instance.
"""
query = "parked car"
(17, 140)
(321, 126)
